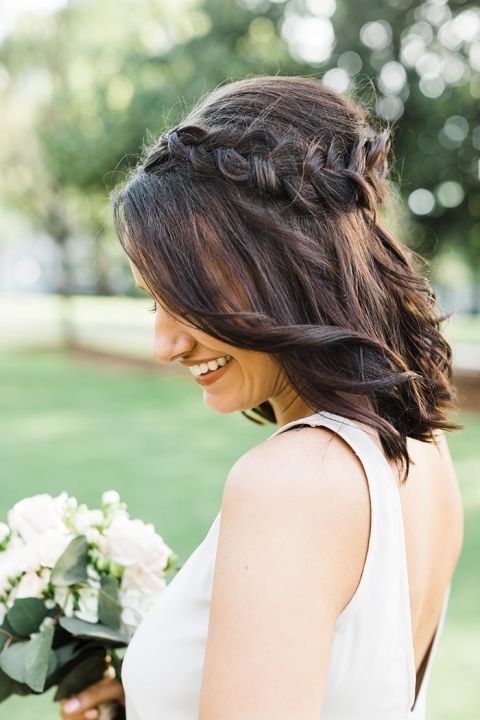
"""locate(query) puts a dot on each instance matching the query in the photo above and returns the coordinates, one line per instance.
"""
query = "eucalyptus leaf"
(68, 657)
(68, 652)
(6, 686)
(21, 689)
(82, 675)
(12, 661)
(95, 631)
(26, 616)
(39, 660)
(109, 608)
(71, 566)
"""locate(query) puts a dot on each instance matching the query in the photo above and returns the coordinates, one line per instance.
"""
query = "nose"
(171, 340)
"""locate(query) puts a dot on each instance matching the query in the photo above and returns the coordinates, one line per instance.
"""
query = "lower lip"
(212, 375)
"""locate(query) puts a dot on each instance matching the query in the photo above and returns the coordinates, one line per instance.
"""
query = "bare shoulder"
(310, 481)
(301, 464)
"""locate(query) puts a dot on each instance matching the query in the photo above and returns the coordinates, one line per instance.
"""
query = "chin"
(222, 405)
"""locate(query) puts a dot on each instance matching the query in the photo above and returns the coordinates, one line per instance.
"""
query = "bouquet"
(75, 583)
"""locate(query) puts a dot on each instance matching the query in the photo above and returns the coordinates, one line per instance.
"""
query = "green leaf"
(68, 657)
(26, 616)
(39, 660)
(109, 609)
(6, 686)
(116, 662)
(12, 661)
(71, 566)
(68, 652)
(82, 675)
(96, 631)
(21, 689)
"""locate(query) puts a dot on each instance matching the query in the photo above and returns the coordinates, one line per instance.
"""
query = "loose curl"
(255, 219)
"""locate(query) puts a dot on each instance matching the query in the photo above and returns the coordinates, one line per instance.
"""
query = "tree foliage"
(87, 84)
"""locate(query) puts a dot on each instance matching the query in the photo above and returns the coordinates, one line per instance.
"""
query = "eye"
(153, 308)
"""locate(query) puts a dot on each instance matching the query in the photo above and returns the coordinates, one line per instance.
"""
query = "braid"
(306, 173)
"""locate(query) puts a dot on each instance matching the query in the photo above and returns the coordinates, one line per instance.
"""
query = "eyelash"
(153, 308)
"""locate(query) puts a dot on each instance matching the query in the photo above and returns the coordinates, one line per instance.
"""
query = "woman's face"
(246, 380)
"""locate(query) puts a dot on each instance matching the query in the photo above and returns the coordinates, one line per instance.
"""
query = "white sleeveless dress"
(372, 670)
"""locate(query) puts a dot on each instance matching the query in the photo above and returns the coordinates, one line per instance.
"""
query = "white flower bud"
(110, 497)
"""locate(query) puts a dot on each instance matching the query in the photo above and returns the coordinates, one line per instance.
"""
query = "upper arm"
(292, 542)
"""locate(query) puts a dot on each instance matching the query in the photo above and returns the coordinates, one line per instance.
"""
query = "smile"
(212, 375)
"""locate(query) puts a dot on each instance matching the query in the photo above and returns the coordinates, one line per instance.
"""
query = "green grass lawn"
(74, 426)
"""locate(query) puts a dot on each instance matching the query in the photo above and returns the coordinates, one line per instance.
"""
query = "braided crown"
(335, 176)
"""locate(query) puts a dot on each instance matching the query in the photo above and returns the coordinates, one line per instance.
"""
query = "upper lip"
(199, 362)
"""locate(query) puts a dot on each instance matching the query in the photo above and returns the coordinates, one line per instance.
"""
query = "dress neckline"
(415, 694)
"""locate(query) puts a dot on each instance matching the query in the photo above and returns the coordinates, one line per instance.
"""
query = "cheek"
(260, 369)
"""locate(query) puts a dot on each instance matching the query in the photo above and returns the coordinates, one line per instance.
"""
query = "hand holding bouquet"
(75, 583)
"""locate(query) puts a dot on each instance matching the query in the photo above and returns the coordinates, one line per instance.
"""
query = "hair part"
(255, 219)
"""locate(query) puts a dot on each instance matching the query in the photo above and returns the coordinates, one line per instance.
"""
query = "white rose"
(138, 592)
(33, 515)
(132, 542)
(14, 562)
(88, 604)
(31, 585)
(136, 578)
(135, 606)
(50, 545)
(7, 569)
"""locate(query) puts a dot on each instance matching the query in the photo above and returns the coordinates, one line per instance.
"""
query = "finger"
(102, 691)
(70, 716)
(91, 714)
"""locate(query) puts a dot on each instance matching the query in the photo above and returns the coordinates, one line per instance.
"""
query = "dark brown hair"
(256, 220)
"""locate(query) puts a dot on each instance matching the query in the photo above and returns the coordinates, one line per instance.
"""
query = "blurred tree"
(424, 59)
(112, 71)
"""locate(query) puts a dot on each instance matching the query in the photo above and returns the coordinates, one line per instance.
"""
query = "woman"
(322, 585)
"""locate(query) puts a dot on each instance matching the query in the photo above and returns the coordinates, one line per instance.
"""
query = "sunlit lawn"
(69, 425)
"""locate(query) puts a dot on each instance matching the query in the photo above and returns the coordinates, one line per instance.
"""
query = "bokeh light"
(450, 194)
(421, 201)
(376, 35)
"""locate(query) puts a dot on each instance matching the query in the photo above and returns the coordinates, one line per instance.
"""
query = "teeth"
(204, 368)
